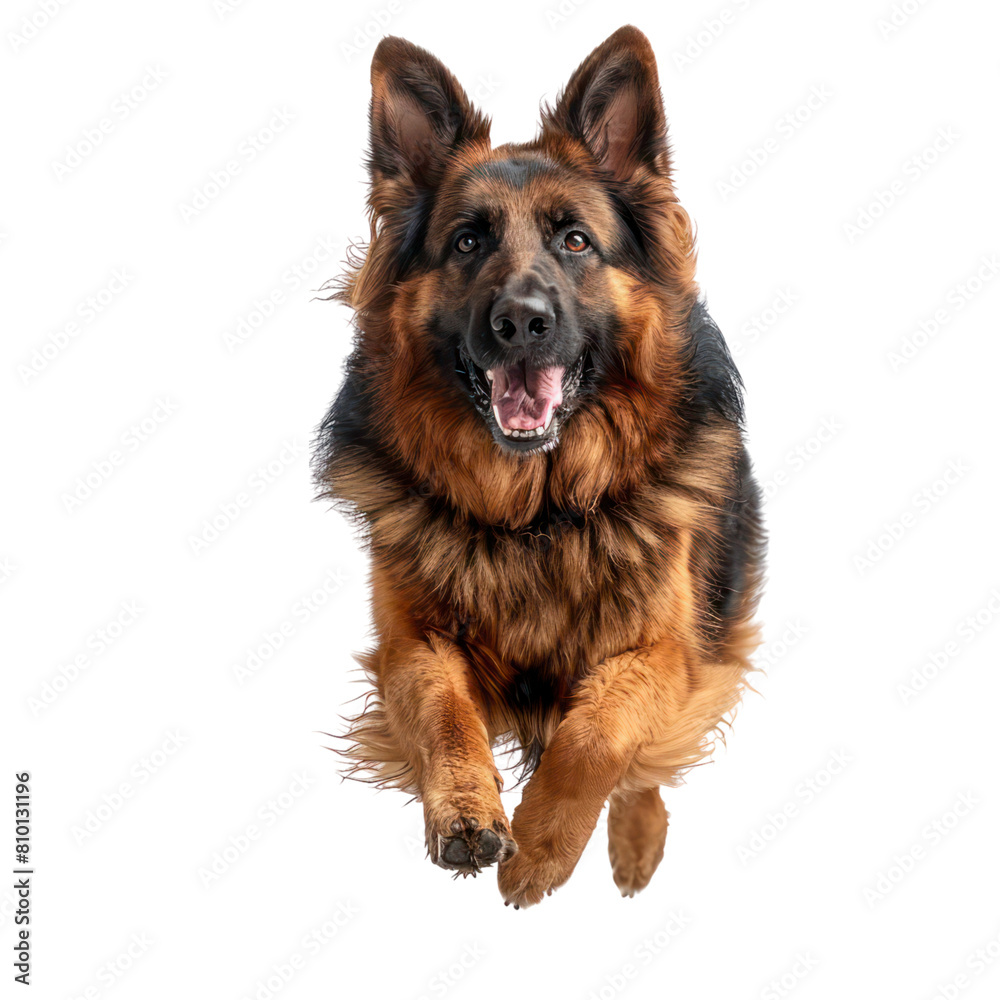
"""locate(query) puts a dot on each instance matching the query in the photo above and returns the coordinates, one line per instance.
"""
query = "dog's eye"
(576, 241)
(466, 243)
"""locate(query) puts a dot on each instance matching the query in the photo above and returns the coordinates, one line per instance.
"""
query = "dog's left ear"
(612, 104)
(419, 115)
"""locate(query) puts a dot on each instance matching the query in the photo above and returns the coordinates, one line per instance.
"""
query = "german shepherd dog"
(539, 433)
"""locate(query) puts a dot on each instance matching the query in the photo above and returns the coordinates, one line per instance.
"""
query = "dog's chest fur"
(554, 597)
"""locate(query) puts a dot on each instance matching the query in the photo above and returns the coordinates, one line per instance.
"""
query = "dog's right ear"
(612, 104)
(419, 115)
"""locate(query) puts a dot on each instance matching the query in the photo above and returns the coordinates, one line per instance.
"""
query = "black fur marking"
(348, 419)
(742, 546)
(535, 693)
(414, 218)
(715, 384)
(513, 171)
(632, 242)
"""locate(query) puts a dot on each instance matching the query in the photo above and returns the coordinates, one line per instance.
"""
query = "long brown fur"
(565, 600)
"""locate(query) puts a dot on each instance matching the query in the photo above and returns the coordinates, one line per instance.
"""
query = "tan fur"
(637, 833)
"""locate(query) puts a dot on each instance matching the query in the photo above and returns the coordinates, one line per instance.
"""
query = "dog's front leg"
(437, 719)
(635, 720)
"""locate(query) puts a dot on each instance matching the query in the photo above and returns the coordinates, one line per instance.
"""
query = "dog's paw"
(530, 876)
(466, 847)
(632, 865)
(637, 832)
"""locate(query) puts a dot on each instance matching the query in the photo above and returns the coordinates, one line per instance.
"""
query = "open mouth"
(524, 404)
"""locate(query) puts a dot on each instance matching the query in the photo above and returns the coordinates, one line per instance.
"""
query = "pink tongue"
(525, 398)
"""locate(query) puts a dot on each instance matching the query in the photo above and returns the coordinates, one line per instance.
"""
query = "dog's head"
(533, 271)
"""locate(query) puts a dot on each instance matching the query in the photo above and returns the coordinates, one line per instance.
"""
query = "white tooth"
(548, 419)
(489, 374)
(496, 414)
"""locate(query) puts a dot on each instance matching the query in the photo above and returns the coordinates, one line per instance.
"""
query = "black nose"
(518, 320)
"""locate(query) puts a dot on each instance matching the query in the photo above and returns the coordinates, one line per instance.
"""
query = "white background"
(864, 775)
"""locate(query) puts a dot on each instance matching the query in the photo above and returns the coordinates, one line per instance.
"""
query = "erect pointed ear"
(419, 114)
(612, 104)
